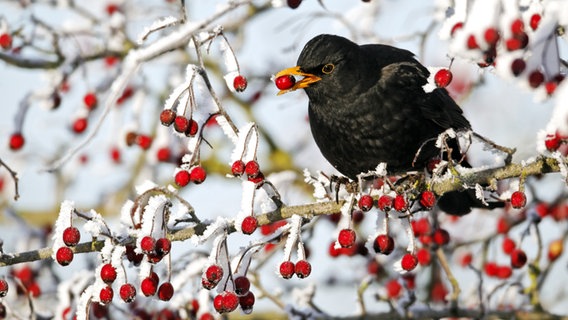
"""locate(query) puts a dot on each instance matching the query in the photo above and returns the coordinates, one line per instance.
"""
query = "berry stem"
(453, 281)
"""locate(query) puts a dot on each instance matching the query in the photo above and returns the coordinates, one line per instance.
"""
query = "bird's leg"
(508, 151)
(338, 182)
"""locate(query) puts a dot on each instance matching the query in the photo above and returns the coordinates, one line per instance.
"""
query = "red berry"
(294, 3)
(303, 269)
(421, 227)
(409, 262)
(197, 175)
(535, 21)
(163, 154)
(5, 41)
(518, 66)
(385, 203)
(357, 216)
(214, 273)
(552, 142)
(34, 289)
(518, 199)
(71, 236)
(366, 202)
(192, 128)
(166, 291)
(503, 225)
(127, 292)
(115, 154)
(383, 244)
(242, 285)
(285, 82)
(238, 168)
(550, 87)
(230, 301)
(555, 249)
(503, 272)
(108, 273)
(218, 303)
(508, 245)
(147, 244)
(399, 203)
(90, 100)
(181, 124)
(182, 178)
(471, 42)
(148, 286)
(456, 27)
(517, 27)
(240, 83)
(252, 168)
(287, 269)
(513, 44)
(64, 256)
(106, 294)
(144, 141)
(163, 246)
(16, 141)
(346, 238)
(427, 199)
(3, 288)
(441, 237)
(424, 256)
(80, 125)
(536, 78)
(246, 302)
(111, 8)
(491, 36)
(394, 289)
(518, 258)
(167, 117)
(249, 225)
(442, 78)
(466, 259)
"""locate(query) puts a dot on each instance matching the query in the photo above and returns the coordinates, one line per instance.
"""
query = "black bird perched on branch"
(367, 106)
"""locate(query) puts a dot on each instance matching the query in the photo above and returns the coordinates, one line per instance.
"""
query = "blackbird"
(367, 105)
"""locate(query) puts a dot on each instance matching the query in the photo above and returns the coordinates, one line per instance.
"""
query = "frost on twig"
(155, 26)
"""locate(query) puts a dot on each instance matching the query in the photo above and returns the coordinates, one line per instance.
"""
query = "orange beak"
(305, 82)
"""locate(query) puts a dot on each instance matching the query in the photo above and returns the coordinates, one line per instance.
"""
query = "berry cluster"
(302, 269)
(181, 124)
(195, 175)
(251, 169)
(64, 254)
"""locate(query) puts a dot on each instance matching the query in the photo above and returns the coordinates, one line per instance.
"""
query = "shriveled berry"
(197, 175)
(346, 238)
(383, 244)
(148, 286)
(365, 202)
(302, 269)
(555, 249)
(127, 292)
(71, 236)
(167, 117)
(165, 291)
(108, 273)
(240, 83)
(64, 256)
(252, 168)
(130, 138)
(147, 244)
(409, 262)
(518, 199)
(238, 168)
(242, 285)
(399, 203)
(442, 78)
(249, 225)
(181, 124)
(182, 178)
(518, 258)
(427, 199)
(285, 82)
(518, 66)
(106, 294)
(287, 269)
(16, 141)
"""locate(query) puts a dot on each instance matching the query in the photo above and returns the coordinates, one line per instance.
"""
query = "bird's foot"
(350, 186)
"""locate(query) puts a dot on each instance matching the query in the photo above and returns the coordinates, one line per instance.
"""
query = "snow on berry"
(427, 199)
(108, 273)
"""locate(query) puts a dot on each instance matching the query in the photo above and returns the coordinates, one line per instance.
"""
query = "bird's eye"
(328, 68)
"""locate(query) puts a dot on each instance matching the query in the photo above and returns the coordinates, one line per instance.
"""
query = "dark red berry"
(71, 236)
(442, 78)
(441, 237)
(242, 285)
(536, 78)
(346, 238)
(518, 66)
(167, 117)
(302, 269)
(294, 3)
(518, 199)
(365, 202)
(383, 244)
(247, 302)
(518, 258)
(163, 246)
(127, 292)
(285, 82)
(240, 83)
(64, 256)
(249, 225)
(287, 269)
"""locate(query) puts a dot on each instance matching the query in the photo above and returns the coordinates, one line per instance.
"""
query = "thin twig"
(14, 175)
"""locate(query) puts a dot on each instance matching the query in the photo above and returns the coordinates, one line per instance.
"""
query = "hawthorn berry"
(385, 203)
(238, 168)
(115, 154)
(80, 125)
(424, 256)
(518, 258)
(534, 21)
(106, 294)
(5, 41)
(71, 236)
(442, 78)
(192, 128)
(163, 154)
(127, 292)
(240, 83)
(218, 303)
(167, 117)
(346, 238)
(408, 262)
(471, 42)
(550, 87)
(503, 272)
(64, 256)
(383, 244)
(491, 36)
(148, 286)
(181, 124)
(399, 203)
(242, 285)
(214, 273)
(394, 289)
(3, 288)
(518, 199)
(294, 3)
(508, 245)
(144, 141)
(166, 291)
(108, 273)
(365, 202)
(517, 27)
(455, 28)
(421, 227)
(132, 256)
(287, 269)
(252, 168)
(147, 244)
(552, 142)
(246, 302)
(466, 259)
(285, 82)
(513, 44)
(441, 237)
(182, 178)
(503, 225)
(90, 100)
(249, 225)
(163, 246)
(197, 175)
(302, 269)
(208, 284)
(16, 141)
(518, 66)
(427, 199)
(536, 78)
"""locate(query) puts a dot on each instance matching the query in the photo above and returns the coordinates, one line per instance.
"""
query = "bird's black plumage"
(367, 105)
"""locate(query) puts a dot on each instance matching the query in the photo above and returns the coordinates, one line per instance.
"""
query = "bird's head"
(327, 66)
